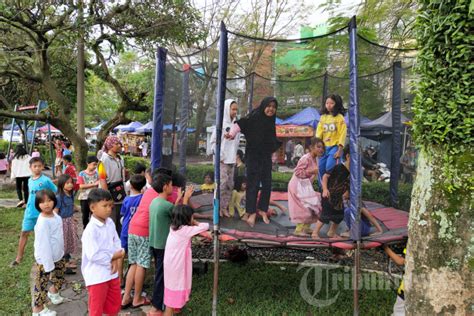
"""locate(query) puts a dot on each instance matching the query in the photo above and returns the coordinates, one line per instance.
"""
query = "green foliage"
(380, 192)
(444, 101)
(3, 146)
(131, 162)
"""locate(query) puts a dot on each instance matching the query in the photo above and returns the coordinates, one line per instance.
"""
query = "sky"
(348, 7)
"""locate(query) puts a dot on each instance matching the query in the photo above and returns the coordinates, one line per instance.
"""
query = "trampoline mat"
(280, 230)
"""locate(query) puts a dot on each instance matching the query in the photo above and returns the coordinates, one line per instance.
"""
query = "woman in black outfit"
(260, 134)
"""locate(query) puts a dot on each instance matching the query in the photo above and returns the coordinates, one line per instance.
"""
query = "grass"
(15, 298)
(266, 289)
(8, 194)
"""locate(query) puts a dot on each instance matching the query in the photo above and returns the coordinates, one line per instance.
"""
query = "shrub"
(380, 192)
(131, 162)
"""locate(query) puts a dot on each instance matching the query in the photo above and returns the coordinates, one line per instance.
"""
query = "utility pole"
(80, 71)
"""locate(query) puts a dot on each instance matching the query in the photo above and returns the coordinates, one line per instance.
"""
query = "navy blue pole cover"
(396, 131)
(221, 88)
(159, 100)
(183, 120)
(354, 135)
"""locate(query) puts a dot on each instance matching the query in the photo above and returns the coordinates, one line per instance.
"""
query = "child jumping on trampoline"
(228, 155)
(304, 203)
(332, 130)
(260, 133)
(335, 185)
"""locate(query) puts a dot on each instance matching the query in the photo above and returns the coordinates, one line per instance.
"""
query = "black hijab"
(259, 129)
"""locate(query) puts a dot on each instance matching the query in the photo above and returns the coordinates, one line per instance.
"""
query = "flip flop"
(126, 306)
(146, 302)
(14, 263)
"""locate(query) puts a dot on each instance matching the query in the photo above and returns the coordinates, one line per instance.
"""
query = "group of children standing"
(156, 222)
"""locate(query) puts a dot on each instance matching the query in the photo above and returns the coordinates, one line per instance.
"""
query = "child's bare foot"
(226, 213)
(245, 217)
(251, 219)
(265, 218)
(345, 234)
(315, 234)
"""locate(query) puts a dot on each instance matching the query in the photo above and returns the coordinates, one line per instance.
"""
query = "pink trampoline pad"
(391, 218)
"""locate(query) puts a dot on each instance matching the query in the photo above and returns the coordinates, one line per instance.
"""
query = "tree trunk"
(438, 279)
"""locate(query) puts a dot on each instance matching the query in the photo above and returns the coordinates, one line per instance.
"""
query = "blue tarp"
(148, 128)
(308, 117)
(131, 127)
(98, 127)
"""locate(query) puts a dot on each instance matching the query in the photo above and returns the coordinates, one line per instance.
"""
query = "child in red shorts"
(101, 254)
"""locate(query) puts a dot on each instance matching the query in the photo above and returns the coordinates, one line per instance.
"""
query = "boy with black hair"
(87, 180)
(129, 207)
(101, 255)
(36, 182)
(160, 221)
(138, 169)
(335, 184)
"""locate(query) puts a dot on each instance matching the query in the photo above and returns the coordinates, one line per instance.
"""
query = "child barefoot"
(335, 185)
(177, 263)
(49, 252)
(332, 130)
(228, 156)
(305, 205)
(260, 133)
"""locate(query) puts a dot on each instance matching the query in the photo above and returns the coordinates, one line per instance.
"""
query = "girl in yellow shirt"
(332, 129)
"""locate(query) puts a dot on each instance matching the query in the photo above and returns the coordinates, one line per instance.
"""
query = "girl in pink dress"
(177, 263)
(304, 203)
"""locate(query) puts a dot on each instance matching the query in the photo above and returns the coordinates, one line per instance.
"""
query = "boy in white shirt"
(101, 254)
(49, 252)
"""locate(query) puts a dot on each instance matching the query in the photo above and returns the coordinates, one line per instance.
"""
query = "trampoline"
(279, 233)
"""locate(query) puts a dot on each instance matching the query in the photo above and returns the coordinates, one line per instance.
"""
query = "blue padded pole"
(221, 88)
(159, 100)
(354, 134)
(396, 131)
(355, 160)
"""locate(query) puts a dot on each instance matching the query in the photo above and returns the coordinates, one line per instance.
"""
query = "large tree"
(439, 263)
(38, 45)
(265, 19)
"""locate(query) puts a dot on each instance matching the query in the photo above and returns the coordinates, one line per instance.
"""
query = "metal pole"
(183, 119)
(53, 167)
(354, 143)
(325, 88)
(173, 135)
(221, 88)
(250, 100)
(80, 72)
(12, 129)
(356, 278)
(35, 125)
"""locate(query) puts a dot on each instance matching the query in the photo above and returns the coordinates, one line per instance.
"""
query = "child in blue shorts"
(37, 182)
(129, 207)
